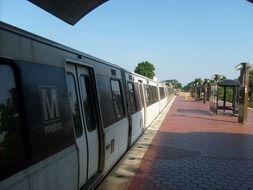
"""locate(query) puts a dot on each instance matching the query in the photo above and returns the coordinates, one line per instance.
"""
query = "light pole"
(243, 92)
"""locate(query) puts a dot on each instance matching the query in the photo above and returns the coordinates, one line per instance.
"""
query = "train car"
(163, 101)
(66, 118)
(170, 92)
(140, 81)
(135, 106)
(154, 97)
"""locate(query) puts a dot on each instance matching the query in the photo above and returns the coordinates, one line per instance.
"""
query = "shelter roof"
(70, 11)
(228, 82)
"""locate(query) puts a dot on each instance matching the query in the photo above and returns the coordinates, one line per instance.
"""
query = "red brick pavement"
(195, 150)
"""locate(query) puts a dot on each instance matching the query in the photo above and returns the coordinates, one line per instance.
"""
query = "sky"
(183, 39)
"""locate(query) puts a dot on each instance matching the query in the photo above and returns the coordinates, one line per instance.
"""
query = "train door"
(88, 107)
(80, 90)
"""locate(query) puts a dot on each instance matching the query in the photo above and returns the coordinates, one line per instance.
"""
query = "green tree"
(218, 77)
(146, 69)
(174, 83)
(195, 82)
(187, 87)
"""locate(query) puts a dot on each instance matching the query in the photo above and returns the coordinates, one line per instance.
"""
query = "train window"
(155, 89)
(152, 94)
(155, 92)
(117, 99)
(105, 96)
(74, 105)
(12, 150)
(162, 93)
(88, 103)
(149, 95)
(137, 96)
(142, 91)
(132, 97)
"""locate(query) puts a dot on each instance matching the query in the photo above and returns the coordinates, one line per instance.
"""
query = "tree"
(198, 81)
(195, 82)
(187, 87)
(146, 69)
(218, 77)
(174, 83)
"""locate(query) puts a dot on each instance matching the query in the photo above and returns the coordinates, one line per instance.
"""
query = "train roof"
(21, 32)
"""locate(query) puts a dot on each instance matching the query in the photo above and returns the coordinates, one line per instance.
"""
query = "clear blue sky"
(184, 39)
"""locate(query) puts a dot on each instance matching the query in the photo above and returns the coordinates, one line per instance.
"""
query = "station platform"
(186, 148)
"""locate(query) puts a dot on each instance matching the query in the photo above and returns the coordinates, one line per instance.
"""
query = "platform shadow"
(194, 111)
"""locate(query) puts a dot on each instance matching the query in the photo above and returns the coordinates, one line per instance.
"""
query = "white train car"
(163, 101)
(152, 101)
(135, 107)
(154, 97)
(141, 81)
(66, 118)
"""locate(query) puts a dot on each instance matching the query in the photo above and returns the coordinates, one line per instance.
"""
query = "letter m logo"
(49, 103)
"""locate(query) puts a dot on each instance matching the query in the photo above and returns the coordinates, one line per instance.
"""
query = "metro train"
(66, 118)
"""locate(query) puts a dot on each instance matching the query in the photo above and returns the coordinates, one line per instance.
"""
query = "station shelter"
(199, 93)
(224, 96)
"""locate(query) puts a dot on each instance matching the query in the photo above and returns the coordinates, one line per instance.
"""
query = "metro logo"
(49, 103)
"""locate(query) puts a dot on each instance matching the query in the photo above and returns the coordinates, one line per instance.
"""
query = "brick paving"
(195, 150)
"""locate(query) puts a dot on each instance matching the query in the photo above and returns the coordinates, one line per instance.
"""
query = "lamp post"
(243, 92)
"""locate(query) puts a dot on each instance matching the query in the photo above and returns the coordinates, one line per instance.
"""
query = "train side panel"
(162, 95)
(141, 81)
(163, 104)
(152, 99)
(152, 113)
(48, 174)
(112, 99)
(38, 145)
